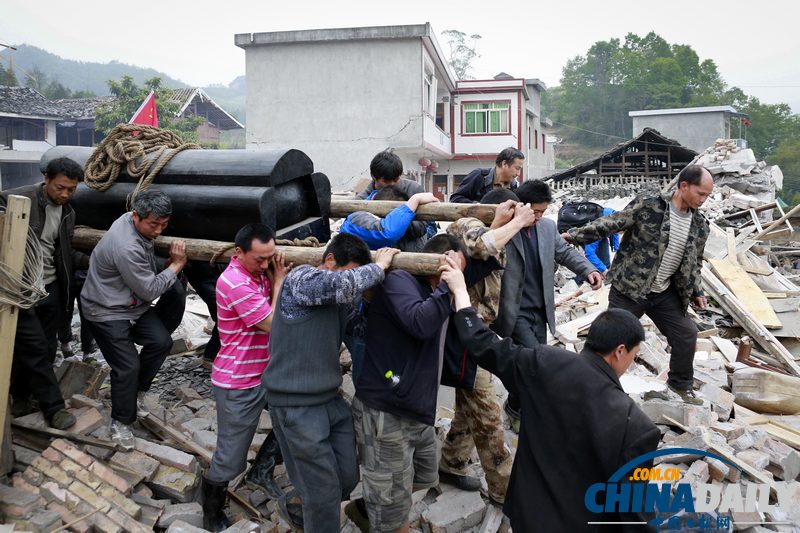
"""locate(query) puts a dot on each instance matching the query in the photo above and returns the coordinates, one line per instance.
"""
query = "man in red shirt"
(245, 292)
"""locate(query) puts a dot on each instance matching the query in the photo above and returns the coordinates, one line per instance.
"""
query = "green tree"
(462, 52)
(787, 156)
(37, 80)
(130, 96)
(7, 77)
(617, 76)
(770, 124)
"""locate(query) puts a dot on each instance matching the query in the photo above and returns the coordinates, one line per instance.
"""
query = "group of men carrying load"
(483, 315)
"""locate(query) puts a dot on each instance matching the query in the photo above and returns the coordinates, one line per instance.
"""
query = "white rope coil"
(25, 290)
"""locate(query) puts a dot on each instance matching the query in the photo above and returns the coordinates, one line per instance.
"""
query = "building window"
(543, 143)
(486, 117)
(440, 115)
(535, 139)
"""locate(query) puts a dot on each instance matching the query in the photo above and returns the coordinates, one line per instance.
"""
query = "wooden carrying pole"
(13, 241)
(203, 250)
(433, 211)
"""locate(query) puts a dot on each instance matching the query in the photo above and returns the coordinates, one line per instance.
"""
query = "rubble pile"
(741, 182)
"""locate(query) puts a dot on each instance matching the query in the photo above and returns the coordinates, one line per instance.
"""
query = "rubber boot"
(261, 473)
(215, 494)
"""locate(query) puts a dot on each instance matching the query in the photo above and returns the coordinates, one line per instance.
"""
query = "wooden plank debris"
(748, 293)
(754, 328)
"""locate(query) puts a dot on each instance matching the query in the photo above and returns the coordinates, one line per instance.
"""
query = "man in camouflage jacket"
(641, 278)
(477, 420)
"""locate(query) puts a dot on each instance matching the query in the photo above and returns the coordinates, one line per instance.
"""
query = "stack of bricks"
(65, 485)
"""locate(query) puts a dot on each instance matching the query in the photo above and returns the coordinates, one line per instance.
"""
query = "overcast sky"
(755, 44)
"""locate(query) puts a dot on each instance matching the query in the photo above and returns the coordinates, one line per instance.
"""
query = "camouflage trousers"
(478, 422)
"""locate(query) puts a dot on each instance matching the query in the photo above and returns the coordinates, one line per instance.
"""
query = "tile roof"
(26, 102)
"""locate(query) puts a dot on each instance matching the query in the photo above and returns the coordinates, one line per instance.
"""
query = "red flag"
(147, 113)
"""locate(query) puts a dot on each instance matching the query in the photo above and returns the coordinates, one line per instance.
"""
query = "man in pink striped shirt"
(245, 292)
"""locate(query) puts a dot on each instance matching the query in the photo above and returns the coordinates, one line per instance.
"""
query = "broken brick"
(135, 461)
(191, 513)
(52, 471)
(72, 452)
(167, 455)
(120, 500)
(17, 503)
(173, 483)
(110, 477)
(68, 517)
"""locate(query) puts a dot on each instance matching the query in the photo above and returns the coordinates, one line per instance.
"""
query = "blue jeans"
(319, 450)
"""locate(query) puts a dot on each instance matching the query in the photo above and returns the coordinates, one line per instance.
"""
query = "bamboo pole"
(13, 241)
(433, 211)
(203, 250)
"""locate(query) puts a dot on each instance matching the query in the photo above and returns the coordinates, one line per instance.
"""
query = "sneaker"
(122, 435)
(290, 508)
(513, 417)
(356, 511)
(458, 481)
(141, 408)
(61, 419)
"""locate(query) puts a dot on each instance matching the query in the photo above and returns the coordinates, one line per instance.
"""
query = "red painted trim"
(519, 122)
(432, 148)
(490, 90)
(464, 122)
(509, 134)
(452, 128)
(493, 79)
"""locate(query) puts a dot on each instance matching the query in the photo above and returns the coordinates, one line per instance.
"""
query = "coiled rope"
(27, 289)
(123, 147)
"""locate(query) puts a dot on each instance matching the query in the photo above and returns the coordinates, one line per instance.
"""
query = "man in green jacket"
(657, 268)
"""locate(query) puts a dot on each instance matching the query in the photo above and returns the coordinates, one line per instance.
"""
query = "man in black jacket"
(578, 424)
(395, 404)
(507, 166)
(52, 220)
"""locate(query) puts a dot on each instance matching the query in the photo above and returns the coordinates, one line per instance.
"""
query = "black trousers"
(529, 331)
(665, 310)
(65, 329)
(203, 279)
(35, 346)
(132, 371)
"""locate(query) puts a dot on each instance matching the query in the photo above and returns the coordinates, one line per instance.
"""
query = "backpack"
(577, 214)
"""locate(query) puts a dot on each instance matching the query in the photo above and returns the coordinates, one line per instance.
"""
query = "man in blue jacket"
(398, 228)
(395, 404)
(507, 167)
(599, 252)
